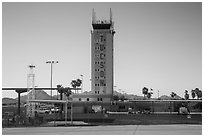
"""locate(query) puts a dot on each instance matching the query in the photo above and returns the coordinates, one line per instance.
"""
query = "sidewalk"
(63, 123)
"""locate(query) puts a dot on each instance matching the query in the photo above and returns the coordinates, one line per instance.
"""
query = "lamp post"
(81, 83)
(71, 112)
(51, 62)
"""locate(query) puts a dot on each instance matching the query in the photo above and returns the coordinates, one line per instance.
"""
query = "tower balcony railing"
(101, 22)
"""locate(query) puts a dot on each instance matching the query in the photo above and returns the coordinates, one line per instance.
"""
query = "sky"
(156, 45)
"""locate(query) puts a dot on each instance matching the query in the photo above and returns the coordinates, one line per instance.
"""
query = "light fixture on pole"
(51, 62)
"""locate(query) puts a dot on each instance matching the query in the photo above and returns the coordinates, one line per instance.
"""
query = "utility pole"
(71, 110)
(66, 112)
(71, 113)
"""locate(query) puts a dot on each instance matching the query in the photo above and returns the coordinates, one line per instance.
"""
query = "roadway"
(108, 130)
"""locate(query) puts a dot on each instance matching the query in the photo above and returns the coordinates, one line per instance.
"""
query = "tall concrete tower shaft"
(102, 56)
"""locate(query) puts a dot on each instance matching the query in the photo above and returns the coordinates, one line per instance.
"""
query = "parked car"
(56, 109)
(132, 111)
(146, 111)
(43, 110)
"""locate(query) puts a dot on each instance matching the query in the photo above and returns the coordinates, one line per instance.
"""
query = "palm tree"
(173, 94)
(60, 90)
(149, 94)
(74, 84)
(78, 83)
(193, 94)
(144, 91)
(186, 96)
(67, 92)
(198, 93)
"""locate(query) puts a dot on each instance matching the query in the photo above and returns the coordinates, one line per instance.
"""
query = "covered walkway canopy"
(23, 90)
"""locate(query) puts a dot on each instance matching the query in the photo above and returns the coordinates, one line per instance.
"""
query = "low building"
(91, 97)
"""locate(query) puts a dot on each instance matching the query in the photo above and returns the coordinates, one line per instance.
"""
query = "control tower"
(102, 56)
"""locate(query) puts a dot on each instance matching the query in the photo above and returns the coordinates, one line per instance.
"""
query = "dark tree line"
(67, 91)
(196, 92)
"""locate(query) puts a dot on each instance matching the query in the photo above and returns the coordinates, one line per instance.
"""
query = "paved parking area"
(108, 130)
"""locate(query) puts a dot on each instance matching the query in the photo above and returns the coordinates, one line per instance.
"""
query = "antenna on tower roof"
(110, 15)
(93, 16)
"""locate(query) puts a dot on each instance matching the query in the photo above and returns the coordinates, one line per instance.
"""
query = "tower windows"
(97, 84)
(97, 55)
(102, 64)
(97, 41)
(102, 82)
(99, 99)
(102, 73)
(102, 55)
(102, 47)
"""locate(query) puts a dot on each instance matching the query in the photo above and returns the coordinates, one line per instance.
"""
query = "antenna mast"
(110, 16)
(93, 16)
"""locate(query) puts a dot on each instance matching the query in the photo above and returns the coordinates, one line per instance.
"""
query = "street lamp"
(81, 83)
(51, 62)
